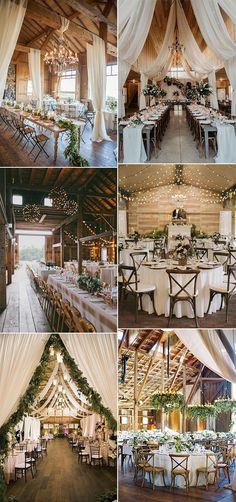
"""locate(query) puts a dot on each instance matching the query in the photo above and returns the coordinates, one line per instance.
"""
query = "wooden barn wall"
(155, 215)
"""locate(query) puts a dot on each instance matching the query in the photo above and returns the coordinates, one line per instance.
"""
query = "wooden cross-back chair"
(226, 290)
(183, 292)
(131, 285)
(179, 467)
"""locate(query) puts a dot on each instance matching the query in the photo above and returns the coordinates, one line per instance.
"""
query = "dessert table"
(91, 307)
(156, 274)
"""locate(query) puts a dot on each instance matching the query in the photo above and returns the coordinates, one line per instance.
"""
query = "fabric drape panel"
(134, 21)
(164, 58)
(34, 58)
(48, 384)
(12, 15)
(208, 348)
(95, 355)
(213, 96)
(230, 67)
(229, 6)
(123, 72)
(96, 62)
(143, 83)
(213, 28)
(19, 356)
(88, 424)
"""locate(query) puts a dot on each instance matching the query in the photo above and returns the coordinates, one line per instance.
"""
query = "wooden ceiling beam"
(85, 8)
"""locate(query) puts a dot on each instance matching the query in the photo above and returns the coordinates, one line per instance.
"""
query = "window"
(17, 200)
(178, 72)
(67, 84)
(112, 81)
(29, 88)
(47, 202)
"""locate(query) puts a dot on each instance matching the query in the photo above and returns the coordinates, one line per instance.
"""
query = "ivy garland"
(224, 405)
(201, 411)
(27, 400)
(71, 152)
(168, 401)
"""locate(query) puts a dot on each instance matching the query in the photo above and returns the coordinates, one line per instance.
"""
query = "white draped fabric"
(208, 348)
(34, 58)
(19, 356)
(96, 62)
(95, 355)
(48, 384)
(213, 96)
(124, 69)
(230, 67)
(12, 15)
(88, 424)
(226, 140)
(229, 6)
(31, 428)
(143, 83)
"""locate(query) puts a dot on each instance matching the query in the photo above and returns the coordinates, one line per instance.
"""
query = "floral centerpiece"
(204, 90)
(90, 284)
(201, 411)
(168, 401)
(111, 103)
(153, 90)
(183, 250)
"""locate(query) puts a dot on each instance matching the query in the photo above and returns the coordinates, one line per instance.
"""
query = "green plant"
(50, 264)
(71, 152)
(107, 497)
(153, 90)
(224, 405)
(168, 401)
(198, 234)
(91, 284)
(201, 411)
(111, 103)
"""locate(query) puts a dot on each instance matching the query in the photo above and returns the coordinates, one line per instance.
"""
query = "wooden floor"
(145, 320)
(24, 312)
(61, 478)
(97, 154)
(130, 492)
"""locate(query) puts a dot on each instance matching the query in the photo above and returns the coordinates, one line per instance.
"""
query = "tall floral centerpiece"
(183, 250)
(153, 91)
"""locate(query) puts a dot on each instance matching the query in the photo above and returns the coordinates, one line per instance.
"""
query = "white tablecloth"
(108, 275)
(109, 117)
(195, 461)
(133, 146)
(44, 273)
(226, 141)
(161, 297)
(101, 315)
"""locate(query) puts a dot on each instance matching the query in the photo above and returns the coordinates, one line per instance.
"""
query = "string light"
(31, 213)
(59, 197)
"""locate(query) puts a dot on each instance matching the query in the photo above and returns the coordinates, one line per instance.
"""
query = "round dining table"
(156, 274)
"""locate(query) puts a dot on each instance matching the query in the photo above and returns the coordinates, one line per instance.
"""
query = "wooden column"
(62, 242)
(184, 394)
(9, 261)
(163, 386)
(3, 287)
(80, 234)
(135, 391)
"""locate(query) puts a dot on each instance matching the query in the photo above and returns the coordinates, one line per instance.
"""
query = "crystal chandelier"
(61, 57)
(176, 47)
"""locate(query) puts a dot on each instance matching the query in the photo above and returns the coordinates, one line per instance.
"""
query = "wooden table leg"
(206, 143)
(56, 136)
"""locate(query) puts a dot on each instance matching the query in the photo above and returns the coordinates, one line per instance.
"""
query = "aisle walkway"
(24, 312)
(61, 478)
(178, 145)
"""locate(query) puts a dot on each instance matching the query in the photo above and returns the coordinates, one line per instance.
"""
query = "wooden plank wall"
(155, 215)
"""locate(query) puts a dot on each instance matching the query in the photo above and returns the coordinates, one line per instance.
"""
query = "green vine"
(71, 152)
(27, 400)
(224, 405)
(201, 411)
(168, 401)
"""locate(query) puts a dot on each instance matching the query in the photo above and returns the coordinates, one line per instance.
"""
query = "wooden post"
(163, 386)
(3, 287)
(9, 261)
(135, 391)
(62, 247)
(80, 234)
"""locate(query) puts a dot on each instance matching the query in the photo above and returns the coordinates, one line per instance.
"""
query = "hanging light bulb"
(51, 351)
(59, 357)
(63, 392)
(65, 377)
(54, 381)
(60, 388)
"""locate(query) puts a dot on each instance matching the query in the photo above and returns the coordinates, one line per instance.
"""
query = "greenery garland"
(27, 400)
(224, 405)
(201, 411)
(90, 284)
(168, 401)
(71, 152)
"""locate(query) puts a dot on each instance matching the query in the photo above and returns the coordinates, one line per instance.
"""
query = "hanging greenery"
(27, 400)
(168, 401)
(224, 405)
(71, 152)
(201, 411)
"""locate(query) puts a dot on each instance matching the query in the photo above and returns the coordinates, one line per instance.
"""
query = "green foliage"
(168, 401)
(111, 103)
(50, 264)
(198, 234)
(71, 152)
(107, 497)
(153, 90)
(224, 405)
(201, 411)
(31, 253)
(91, 284)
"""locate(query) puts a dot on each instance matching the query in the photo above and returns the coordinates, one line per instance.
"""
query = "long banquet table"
(93, 308)
(156, 274)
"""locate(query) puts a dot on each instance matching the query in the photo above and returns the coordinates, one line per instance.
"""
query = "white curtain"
(134, 21)
(48, 384)
(19, 356)
(230, 67)
(34, 58)
(143, 83)
(96, 63)
(208, 348)
(96, 356)
(12, 15)
(88, 424)
(123, 72)
(213, 96)
(229, 6)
